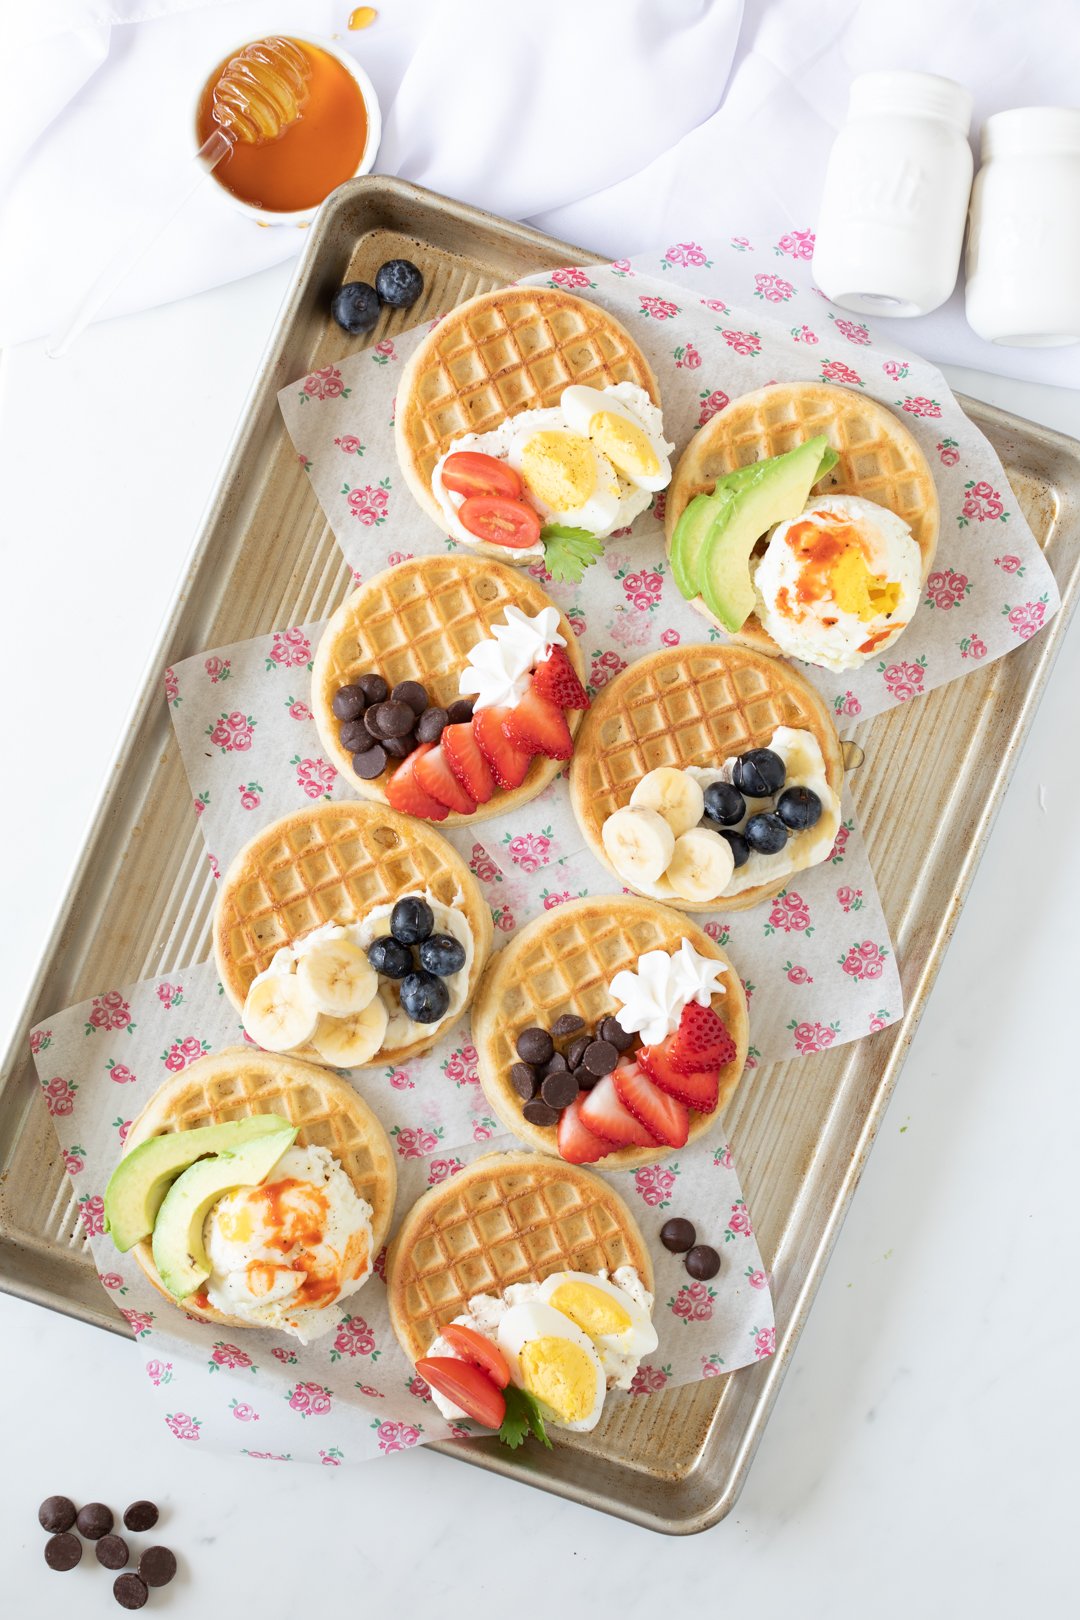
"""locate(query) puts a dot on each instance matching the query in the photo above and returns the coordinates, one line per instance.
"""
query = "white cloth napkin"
(618, 124)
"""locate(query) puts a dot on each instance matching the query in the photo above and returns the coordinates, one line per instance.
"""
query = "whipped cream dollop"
(497, 668)
(653, 997)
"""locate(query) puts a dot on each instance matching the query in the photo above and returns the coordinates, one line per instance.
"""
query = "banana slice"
(345, 1042)
(673, 794)
(338, 978)
(278, 1014)
(639, 844)
(701, 866)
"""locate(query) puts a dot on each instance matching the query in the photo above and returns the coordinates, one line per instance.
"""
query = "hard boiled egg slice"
(551, 1358)
(602, 1310)
(566, 478)
(619, 433)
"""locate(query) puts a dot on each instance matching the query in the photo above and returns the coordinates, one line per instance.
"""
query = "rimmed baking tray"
(141, 897)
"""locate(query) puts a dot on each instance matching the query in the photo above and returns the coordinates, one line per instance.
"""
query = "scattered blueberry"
(355, 307)
(424, 997)
(766, 833)
(724, 803)
(799, 808)
(442, 954)
(398, 283)
(740, 849)
(387, 956)
(411, 920)
(759, 773)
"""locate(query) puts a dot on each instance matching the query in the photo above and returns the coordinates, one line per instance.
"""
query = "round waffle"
(693, 705)
(503, 352)
(506, 1218)
(563, 963)
(332, 863)
(417, 622)
(241, 1081)
(880, 460)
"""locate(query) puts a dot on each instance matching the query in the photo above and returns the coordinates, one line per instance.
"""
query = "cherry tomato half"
(467, 1386)
(469, 472)
(475, 1348)
(500, 521)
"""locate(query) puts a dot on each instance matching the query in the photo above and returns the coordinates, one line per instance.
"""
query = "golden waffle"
(880, 460)
(333, 863)
(417, 622)
(496, 355)
(506, 1218)
(242, 1081)
(693, 705)
(563, 963)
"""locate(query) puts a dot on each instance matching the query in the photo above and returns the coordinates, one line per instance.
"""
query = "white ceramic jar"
(891, 223)
(1023, 254)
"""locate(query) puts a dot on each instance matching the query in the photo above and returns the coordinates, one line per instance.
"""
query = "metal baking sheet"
(141, 899)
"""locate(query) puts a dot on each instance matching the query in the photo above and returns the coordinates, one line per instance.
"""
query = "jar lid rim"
(1020, 129)
(904, 91)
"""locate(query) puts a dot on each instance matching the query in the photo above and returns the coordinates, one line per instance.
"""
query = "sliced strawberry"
(701, 1041)
(577, 1143)
(509, 765)
(557, 680)
(435, 777)
(537, 726)
(468, 764)
(665, 1118)
(405, 793)
(603, 1114)
(698, 1090)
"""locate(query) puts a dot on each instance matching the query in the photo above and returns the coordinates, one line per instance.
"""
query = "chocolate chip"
(538, 1112)
(411, 693)
(354, 736)
(523, 1078)
(577, 1049)
(371, 763)
(429, 727)
(559, 1090)
(702, 1262)
(129, 1591)
(555, 1065)
(348, 703)
(157, 1566)
(94, 1520)
(141, 1516)
(612, 1031)
(535, 1045)
(56, 1513)
(370, 722)
(585, 1080)
(112, 1552)
(566, 1024)
(399, 747)
(374, 688)
(63, 1551)
(678, 1235)
(390, 719)
(459, 711)
(600, 1057)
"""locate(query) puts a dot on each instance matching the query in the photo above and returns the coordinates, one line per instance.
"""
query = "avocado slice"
(695, 522)
(779, 492)
(143, 1176)
(179, 1252)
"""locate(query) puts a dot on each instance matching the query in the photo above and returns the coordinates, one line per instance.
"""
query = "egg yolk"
(858, 591)
(560, 469)
(626, 445)
(595, 1312)
(560, 1373)
(833, 567)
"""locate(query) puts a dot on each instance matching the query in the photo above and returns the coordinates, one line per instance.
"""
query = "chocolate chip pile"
(378, 724)
(700, 1259)
(548, 1079)
(94, 1522)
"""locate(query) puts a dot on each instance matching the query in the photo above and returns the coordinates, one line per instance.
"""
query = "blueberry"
(387, 956)
(442, 954)
(411, 920)
(740, 849)
(766, 833)
(398, 283)
(355, 307)
(799, 808)
(759, 773)
(724, 803)
(424, 997)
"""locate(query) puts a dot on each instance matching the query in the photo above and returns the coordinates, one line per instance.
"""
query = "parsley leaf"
(568, 552)
(522, 1416)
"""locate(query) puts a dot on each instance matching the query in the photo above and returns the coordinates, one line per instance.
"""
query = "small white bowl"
(302, 217)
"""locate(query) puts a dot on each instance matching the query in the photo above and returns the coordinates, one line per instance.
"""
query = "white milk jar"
(891, 222)
(1023, 255)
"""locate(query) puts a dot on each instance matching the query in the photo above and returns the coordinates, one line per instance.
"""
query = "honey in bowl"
(322, 138)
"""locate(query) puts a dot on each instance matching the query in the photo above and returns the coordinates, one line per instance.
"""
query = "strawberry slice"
(435, 777)
(538, 726)
(577, 1143)
(557, 680)
(698, 1090)
(468, 764)
(603, 1114)
(404, 792)
(509, 765)
(701, 1041)
(665, 1118)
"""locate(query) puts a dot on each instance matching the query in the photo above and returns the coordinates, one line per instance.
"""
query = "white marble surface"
(916, 1462)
